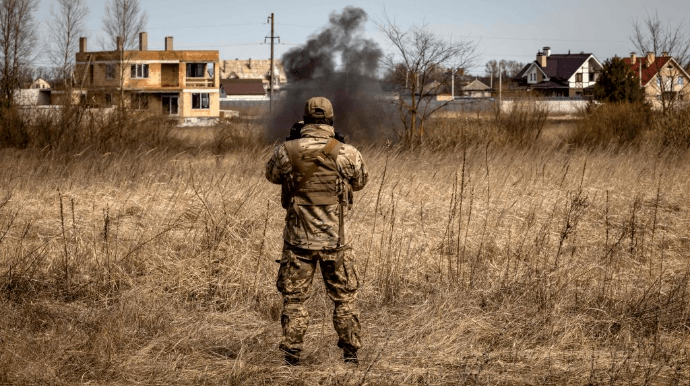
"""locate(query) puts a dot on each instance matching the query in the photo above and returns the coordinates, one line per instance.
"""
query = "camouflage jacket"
(316, 227)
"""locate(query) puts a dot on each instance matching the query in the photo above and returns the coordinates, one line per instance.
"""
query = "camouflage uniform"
(311, 235)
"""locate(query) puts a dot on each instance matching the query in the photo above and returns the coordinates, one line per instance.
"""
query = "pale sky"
(504, 29)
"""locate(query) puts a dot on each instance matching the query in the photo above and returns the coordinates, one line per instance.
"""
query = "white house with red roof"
(560, 75)
(665, 82)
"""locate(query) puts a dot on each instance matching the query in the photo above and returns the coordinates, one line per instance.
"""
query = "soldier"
(318, 174)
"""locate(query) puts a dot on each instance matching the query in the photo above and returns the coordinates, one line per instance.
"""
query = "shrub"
(674, 128)
(523, 120)
(611, 123)
(14, 132)
(236, 133)
(71, 129)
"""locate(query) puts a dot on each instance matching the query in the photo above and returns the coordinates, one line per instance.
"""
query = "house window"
(200, 100)
(108, 99)
(140, 71)
(680, 81)
(195, 70)
(592, 77)
(110, 71)
(578, 77)
(140, 101)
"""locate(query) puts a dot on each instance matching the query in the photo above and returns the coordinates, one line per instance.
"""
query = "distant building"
(660, 77)
(560, 75)
(254, 69)
(182, 84)
(39, 83)
(34, 93)
(476, 89)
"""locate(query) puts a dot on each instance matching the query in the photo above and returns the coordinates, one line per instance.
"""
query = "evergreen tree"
(617, 83)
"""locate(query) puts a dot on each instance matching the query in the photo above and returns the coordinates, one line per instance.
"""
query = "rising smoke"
(341, 65)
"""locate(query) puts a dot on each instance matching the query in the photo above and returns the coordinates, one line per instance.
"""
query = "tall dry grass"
(481, 263)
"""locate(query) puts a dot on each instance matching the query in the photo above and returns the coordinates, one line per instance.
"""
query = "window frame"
(198, 99)
(139, 71)
(140, 101)
(110, 71)
(194, 68)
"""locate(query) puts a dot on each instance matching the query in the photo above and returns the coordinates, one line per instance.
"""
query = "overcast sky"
(511, 30)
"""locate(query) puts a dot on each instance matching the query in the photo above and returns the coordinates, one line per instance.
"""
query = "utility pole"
(270, 82)
(452, 83)
(500, 88)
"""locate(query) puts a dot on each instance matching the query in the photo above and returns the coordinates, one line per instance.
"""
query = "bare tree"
(66, 26)
(422, 56)
(122, 22)
(662, 40)
(508, 69)
(17, 39)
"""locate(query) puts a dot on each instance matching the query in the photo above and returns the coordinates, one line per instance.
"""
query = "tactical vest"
(315, 176)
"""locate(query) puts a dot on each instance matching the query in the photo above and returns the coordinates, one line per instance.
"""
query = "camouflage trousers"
(295, 276)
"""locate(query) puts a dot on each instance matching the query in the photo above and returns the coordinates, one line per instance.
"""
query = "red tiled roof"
(648, 72)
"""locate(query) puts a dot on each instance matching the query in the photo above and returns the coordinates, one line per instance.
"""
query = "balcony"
(199, 83)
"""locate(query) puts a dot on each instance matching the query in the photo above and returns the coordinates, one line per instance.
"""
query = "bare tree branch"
(423, 58)
(123, 19)
(66, 26)
(661, 39)
(17, 40)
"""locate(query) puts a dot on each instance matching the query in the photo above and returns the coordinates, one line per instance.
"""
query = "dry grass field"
(481, 264)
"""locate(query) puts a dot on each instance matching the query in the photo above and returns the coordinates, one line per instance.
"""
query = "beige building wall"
(166, 75)
(671, 74)
(186, 110)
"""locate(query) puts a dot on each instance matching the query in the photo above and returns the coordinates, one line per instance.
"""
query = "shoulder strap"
(292, 148)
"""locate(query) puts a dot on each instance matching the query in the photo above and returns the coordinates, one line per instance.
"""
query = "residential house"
(35, 93)
(663, 79)
(476, 89)
(560, 75)
(39, 83)
(183, 84)
(255, 69)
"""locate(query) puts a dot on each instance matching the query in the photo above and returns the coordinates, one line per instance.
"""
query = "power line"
(207, 26)
(550, 39)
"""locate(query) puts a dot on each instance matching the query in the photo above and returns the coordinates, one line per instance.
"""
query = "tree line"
(18, 39)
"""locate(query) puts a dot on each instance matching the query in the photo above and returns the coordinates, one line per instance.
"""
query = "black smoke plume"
(349, 83)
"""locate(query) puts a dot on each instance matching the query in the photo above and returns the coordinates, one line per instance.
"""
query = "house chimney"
(250, 63)
(633, 58)
(143, 41)
(650, 58)
(120, 43)
(547, 51)
(82, 44)
(664, 54)
(541, 59)
(168, 43)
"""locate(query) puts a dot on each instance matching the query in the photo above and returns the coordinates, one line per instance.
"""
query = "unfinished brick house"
(181, 84)
(254, 69)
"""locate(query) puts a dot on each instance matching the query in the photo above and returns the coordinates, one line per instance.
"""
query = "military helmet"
(318, 107)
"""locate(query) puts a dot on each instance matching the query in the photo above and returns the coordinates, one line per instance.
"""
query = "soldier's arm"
(278, 167)
(360, 174)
